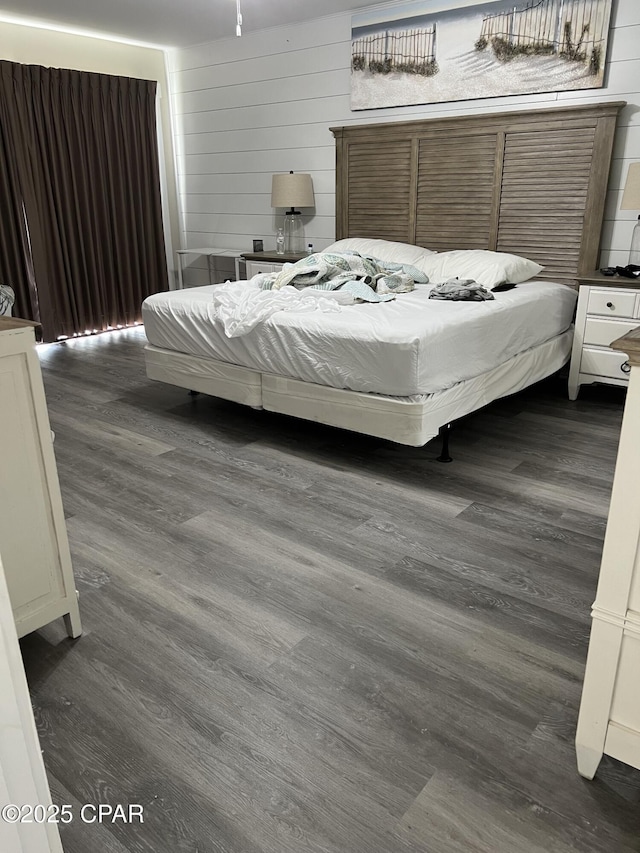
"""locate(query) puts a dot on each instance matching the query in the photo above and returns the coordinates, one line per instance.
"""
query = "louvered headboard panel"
(531, 183)
(380, 177)
(455, 191)
(545, 185)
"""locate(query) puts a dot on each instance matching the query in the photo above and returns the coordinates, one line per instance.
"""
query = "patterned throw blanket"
(7, 298)
(367, 279)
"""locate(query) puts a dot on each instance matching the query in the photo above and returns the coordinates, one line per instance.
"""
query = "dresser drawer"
(612, 303)
(625, 708)
(602, 362)
(601, 332)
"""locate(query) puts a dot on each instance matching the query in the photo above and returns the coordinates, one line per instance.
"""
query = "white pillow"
(487, 268)
(384, 250)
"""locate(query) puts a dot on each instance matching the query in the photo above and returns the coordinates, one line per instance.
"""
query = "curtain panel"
(81, 232)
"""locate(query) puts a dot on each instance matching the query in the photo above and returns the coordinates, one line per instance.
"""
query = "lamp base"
(634, 254)
(293, 231)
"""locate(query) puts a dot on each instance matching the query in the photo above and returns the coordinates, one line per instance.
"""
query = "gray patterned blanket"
(7, 298)
(367, 279)
(461, 289)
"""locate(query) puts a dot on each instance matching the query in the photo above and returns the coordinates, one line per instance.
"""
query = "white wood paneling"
(246, 108)
(627, 13)
(233, 183)
(624, 43)
(265, 161)
(334, 29)
(297, 87)
(627, 139)
(325, 110)
(230, 204)
(268, 67)
(270, 138)
(612, 211)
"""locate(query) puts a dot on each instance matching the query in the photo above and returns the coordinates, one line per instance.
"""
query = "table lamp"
(631, 201)
(292, 190)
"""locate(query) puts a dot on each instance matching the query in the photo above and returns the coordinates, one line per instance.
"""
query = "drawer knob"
(626, 367)
(610, 305)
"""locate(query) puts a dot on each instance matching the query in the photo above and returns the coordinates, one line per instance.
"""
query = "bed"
(528, 186)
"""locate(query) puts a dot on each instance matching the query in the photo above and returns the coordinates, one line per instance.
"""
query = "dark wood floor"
(300, 639)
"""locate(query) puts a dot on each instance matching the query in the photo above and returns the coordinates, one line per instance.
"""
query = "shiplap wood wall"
(245, 108)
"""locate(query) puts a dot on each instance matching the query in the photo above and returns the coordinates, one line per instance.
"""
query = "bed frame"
(530, 182)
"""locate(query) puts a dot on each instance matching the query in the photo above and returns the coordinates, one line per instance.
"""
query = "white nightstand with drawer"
(211, 255)
(254, 268)
(266, 262)
(608, 308)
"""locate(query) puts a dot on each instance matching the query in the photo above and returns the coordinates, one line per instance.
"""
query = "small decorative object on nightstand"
(608, 307)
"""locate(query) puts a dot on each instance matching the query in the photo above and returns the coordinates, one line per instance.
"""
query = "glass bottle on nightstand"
(280, 242)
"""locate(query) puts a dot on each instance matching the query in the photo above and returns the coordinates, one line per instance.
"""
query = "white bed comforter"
(410, 345)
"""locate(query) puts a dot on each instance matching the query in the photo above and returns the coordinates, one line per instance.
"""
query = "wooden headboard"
(532, 183)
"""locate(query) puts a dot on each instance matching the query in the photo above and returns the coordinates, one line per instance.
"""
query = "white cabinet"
(609, 720)
(23, 780)
(33, 535)
(607, 309)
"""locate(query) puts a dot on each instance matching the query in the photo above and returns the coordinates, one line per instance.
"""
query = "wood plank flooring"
(301, 639)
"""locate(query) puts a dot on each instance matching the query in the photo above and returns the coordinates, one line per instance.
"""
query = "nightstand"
(608, 308)
(210, 255)
(257, 262)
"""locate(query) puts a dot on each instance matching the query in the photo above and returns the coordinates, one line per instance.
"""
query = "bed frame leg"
(193, 393)
(444, 433)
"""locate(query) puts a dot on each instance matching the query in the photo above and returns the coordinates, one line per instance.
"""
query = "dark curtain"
(81, 233)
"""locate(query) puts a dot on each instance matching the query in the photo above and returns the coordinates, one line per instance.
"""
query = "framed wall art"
(423, 52)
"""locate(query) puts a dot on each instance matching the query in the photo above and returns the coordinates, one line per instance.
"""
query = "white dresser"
(609, 720)
(33, 535)
(608, 307)
(23, 779)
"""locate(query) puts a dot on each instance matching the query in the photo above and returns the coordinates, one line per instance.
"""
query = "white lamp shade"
(631, 194)
(292, 190)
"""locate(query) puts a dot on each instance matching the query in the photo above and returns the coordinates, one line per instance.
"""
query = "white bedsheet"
(411, 345)
(242, 308)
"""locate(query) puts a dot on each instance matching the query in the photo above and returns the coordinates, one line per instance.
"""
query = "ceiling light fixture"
(238, 19)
